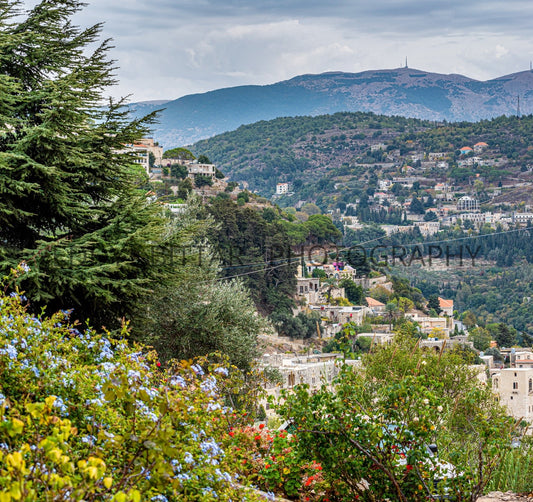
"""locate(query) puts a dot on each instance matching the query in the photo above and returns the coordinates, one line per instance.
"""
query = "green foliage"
(370, 431)
(515, 472)
(185, 188)
(244, 196)
(201, 180)
(203, 313)
(178, 153)
(256, 249)
(203, 159)
(87, 417)
(434, 304)
(299, 326)
(416, 206)
(319, 273)
(431, 216)
(503, 334)
(321, 229)
(480, 337)
(178, 171)
(70, 205)
(353, 292)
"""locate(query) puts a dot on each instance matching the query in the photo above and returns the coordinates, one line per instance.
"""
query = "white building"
(522, 218)
(194, 169)
(514, 387)
(428, 228)
(282, 188)
(467, 203)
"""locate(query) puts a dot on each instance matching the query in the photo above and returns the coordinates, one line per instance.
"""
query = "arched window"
(530, 385)
(496, 383)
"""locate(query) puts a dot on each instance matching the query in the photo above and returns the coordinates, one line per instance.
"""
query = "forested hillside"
(336, 157)
(295, 148)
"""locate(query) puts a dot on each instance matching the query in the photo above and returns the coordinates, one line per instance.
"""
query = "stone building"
(514, 386)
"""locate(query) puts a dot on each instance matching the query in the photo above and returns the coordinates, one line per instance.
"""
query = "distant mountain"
(402, 91)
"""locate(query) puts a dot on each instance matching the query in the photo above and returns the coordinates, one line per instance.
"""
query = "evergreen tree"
(434, 304)
(416, 206)
(353, 292)
(70, 203)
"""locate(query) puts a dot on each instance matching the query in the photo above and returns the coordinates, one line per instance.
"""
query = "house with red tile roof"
(375, 305)
(446, 306)
(479, 147)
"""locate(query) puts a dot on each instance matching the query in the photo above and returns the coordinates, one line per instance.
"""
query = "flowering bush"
(273, 462)
(87, 417)
(371, 432)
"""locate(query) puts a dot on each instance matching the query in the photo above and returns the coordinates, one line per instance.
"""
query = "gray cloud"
(169, 48)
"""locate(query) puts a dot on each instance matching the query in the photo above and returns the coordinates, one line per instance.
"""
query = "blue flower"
(178, 380)
(197, 369)
(10, 351)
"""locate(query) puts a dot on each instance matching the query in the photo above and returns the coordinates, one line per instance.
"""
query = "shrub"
(84, 416)
(371, 430)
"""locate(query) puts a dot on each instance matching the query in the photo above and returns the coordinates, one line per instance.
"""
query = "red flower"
(408, 467)
(309, 480)
(231, 433)
(158, 364)
(258, 438)
(261, 426)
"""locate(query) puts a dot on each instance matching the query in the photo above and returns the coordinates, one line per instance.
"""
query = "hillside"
(337, 156)
(402, 91)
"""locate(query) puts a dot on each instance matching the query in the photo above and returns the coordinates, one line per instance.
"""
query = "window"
(530, 385)
(496, 383)
(515, 385)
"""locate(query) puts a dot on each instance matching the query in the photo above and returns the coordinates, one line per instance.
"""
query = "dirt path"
(504, 497)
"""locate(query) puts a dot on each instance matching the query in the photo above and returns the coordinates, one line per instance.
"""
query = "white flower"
(426, 401)
(439, 409)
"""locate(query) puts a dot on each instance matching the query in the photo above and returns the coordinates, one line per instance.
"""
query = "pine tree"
(70, 204)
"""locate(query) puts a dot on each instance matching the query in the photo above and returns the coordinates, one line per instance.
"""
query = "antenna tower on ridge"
(406, 62)
(518, 106)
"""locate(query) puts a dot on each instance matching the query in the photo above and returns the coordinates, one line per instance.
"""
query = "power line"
(360, 245)
(287, 261)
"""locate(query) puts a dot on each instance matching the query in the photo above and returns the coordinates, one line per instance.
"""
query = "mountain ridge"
(407, 92)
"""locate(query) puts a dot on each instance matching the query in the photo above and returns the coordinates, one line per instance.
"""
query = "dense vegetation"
(74, 209)
(317, 155)
(87, 417)
(289, 149)
(370, 432)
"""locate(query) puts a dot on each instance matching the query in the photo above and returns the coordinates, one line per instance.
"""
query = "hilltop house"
(141, 151)
(479, 147)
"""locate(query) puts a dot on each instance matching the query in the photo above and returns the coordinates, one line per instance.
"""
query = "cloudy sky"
(170, 48)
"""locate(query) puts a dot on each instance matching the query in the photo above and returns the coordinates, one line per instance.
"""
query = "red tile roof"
(373, 303)
(445, 303)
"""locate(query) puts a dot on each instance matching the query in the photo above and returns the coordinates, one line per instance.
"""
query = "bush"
(377, 423)
(87, 417)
